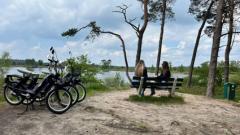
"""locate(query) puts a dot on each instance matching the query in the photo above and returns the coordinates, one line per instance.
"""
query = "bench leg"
(140, 89)
(172, 91)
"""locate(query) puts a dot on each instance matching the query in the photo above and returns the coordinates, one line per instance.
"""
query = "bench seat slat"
(156, 79)
(153, 82)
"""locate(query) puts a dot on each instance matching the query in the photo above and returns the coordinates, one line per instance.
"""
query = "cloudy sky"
(28, 28)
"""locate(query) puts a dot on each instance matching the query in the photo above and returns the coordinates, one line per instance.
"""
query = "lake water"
(103, 75)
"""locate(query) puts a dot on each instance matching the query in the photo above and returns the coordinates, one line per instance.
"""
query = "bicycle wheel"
(74, 93)
(11, 97)
(59, 100)
(81, 91)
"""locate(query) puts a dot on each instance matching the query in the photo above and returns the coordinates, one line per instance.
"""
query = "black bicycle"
(58, 97)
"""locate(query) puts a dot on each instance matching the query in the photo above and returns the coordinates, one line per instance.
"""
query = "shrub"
(115, 82)
(83, 66)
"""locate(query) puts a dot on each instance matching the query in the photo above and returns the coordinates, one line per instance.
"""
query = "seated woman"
(165, 74)
(141, 71)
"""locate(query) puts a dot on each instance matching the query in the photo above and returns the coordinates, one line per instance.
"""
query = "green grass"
(195, 90)
(198, 90)
(1, 90)
(96, 88)
(163, 100)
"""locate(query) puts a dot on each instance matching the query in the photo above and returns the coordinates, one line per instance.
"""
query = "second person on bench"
(165, 75)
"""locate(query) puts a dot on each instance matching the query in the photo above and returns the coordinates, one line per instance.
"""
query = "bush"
(115, 82)
(83, 66)
(200, 77)
(235, 77)
(1, 88)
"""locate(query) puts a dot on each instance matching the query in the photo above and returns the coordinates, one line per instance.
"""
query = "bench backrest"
(156, 83)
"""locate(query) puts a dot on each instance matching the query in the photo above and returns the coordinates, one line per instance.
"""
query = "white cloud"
(37, 24)
(36, 48)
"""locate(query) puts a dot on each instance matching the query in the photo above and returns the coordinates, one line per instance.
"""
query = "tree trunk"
(139, 48)
(215, 49)
(229, 42)
(141, 32)
(124, 52)
(125, 59)
(161, 37)
(197, 44)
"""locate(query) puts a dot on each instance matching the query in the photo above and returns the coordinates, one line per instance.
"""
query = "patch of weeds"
(157, 100)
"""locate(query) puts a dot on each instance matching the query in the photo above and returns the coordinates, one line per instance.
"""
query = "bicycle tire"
(8, 99)
(54, 93)
(82, 91)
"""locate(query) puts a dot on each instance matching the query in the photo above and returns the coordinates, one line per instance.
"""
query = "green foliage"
(157, 100)
(40, 62)
(71, 32)
(199, 88)
(94, 32)
(1, 90)
(201, 75)
(156, 9)
(116, 82)
(235, 77)
(106, 64)
(151, 69)
(30, 62)
(195, 90)
(178, 69)
(5, 63)
(96, 87)
(86, 69)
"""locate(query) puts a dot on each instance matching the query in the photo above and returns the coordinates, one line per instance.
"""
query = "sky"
(29, 28)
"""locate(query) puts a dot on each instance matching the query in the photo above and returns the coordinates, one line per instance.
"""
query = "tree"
(106, 64)
(231, 6)
(160, 10)
(40, 62)
(215, 49)
(95, 32)
(5, 63)
(204, 15)
(139, 30)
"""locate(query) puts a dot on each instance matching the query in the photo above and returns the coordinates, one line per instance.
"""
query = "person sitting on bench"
(165, 74)
(141, 71)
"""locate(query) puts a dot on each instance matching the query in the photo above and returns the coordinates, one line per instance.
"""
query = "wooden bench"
(171, 85)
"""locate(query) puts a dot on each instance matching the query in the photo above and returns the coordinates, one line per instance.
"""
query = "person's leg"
(144, 86)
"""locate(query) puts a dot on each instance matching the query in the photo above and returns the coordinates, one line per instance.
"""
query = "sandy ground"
(110, 113)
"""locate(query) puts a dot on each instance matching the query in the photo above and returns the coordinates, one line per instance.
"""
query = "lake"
(102, 76)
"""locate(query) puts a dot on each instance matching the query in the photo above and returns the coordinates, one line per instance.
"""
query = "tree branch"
(236, 32)
(123, 11)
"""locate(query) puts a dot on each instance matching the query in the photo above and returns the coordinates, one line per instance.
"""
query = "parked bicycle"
(60, 93)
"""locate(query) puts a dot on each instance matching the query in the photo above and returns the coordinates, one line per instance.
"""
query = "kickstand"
(25, 109)
(33, 108)
(41, 103)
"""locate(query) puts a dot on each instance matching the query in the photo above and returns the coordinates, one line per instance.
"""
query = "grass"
(96, 88)
(1, 90)
(200, 90)
(163, 100)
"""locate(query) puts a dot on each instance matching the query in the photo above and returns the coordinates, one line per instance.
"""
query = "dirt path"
(110, 113)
